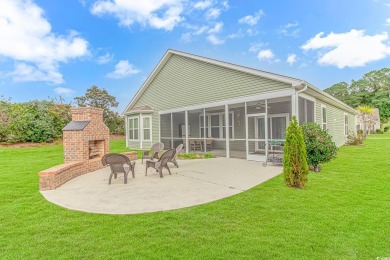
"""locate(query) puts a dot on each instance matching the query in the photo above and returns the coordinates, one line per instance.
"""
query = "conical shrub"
(295, 167)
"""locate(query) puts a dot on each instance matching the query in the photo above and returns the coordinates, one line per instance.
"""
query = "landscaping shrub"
(319, 145)
(34, 121)
(295, 167)
(386, 129)
(195, 156)
(353, 139)
(379, 131)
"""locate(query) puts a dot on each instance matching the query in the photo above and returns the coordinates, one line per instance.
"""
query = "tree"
(373, 89)
(96, 97)
(366, 117)
(295, 167)
(339, 91)
(319, 145)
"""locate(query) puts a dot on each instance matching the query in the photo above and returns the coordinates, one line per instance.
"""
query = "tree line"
(373, 90)
(42, 120)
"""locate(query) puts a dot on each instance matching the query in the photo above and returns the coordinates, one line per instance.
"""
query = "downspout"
(296, 98)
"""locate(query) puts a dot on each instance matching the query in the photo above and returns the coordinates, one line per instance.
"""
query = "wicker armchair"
(118, 164)
(178, 150)
(157, 147)
(161, 163)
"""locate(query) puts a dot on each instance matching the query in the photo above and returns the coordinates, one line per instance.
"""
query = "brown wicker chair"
(157, 147)
(178, 150)
(117, 164)
(161, 163)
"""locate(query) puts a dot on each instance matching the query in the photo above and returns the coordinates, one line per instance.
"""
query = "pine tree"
(295, 168)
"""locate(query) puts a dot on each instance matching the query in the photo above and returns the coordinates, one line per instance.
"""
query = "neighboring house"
(373, 121)
(226, 109)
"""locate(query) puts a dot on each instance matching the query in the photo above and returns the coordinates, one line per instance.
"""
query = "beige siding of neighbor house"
(184, 82)
(335, 121)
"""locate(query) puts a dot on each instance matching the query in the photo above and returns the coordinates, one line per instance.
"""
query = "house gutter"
(297, 96)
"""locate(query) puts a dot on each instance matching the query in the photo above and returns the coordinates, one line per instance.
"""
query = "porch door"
(257, 137)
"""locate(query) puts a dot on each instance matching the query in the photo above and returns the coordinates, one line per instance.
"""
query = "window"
(306, 110)
(146, 129)
(324, 118)
(345, 124)
(133, 128)
(215, 125)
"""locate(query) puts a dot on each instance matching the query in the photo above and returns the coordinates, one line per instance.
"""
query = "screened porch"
(240, 130)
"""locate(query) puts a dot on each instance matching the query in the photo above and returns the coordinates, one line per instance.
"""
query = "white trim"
(305, 96)
(186, 122)
(322, 117)
(132, 118)
(293, 106)
(171, 130)
(246, 131)
(268, 95)
(346, 125)
(227, 128)
(142, 128)
(126, 131)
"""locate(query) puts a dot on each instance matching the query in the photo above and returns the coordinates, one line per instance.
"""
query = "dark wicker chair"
(161, 163)
(178, 150)
(117, 164)
(155, 149)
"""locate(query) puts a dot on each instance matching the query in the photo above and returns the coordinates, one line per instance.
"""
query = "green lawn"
(343, 213)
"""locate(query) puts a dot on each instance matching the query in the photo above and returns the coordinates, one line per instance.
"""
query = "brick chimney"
(86, 137)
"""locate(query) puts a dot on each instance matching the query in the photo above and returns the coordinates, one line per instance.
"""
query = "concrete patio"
(195, 182)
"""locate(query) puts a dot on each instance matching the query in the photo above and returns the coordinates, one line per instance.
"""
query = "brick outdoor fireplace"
(85, 140)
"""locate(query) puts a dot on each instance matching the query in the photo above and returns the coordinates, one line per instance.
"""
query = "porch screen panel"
(309, 111)
(278, 128)
(165, 130)
(237, 131)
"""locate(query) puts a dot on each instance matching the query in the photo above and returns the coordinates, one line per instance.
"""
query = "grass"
(344, 212)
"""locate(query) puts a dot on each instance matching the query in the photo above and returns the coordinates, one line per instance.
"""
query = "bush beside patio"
(341, 213)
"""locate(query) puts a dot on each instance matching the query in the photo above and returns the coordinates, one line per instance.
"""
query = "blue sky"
(61, 48)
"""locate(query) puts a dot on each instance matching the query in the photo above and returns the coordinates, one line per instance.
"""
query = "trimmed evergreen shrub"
(319, 145)
(295, 167)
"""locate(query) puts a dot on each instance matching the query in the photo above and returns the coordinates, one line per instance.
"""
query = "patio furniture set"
(156, 158)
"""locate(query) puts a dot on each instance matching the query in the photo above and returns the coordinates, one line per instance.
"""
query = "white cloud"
(225, 4)
(388, 21)
(26, 38)
(203, 4)
(256, 47)
(163, 14)
(186, 37)
(64, 91)
(350, 49)
(251, 32)
(213, 13)
(290, 29)
(215, 40)
(123, 69)
(291, 59)
(201, 30)
(251, 19)
(106, 58)
(265, 55)
(217, 28)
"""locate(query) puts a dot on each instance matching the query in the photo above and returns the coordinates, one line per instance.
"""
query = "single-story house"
(226, 109)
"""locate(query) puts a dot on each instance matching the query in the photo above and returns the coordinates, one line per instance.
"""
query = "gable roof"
(264, 74)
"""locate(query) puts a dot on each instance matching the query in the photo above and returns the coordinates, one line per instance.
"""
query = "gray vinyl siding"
(184, 82)
(335, 121)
